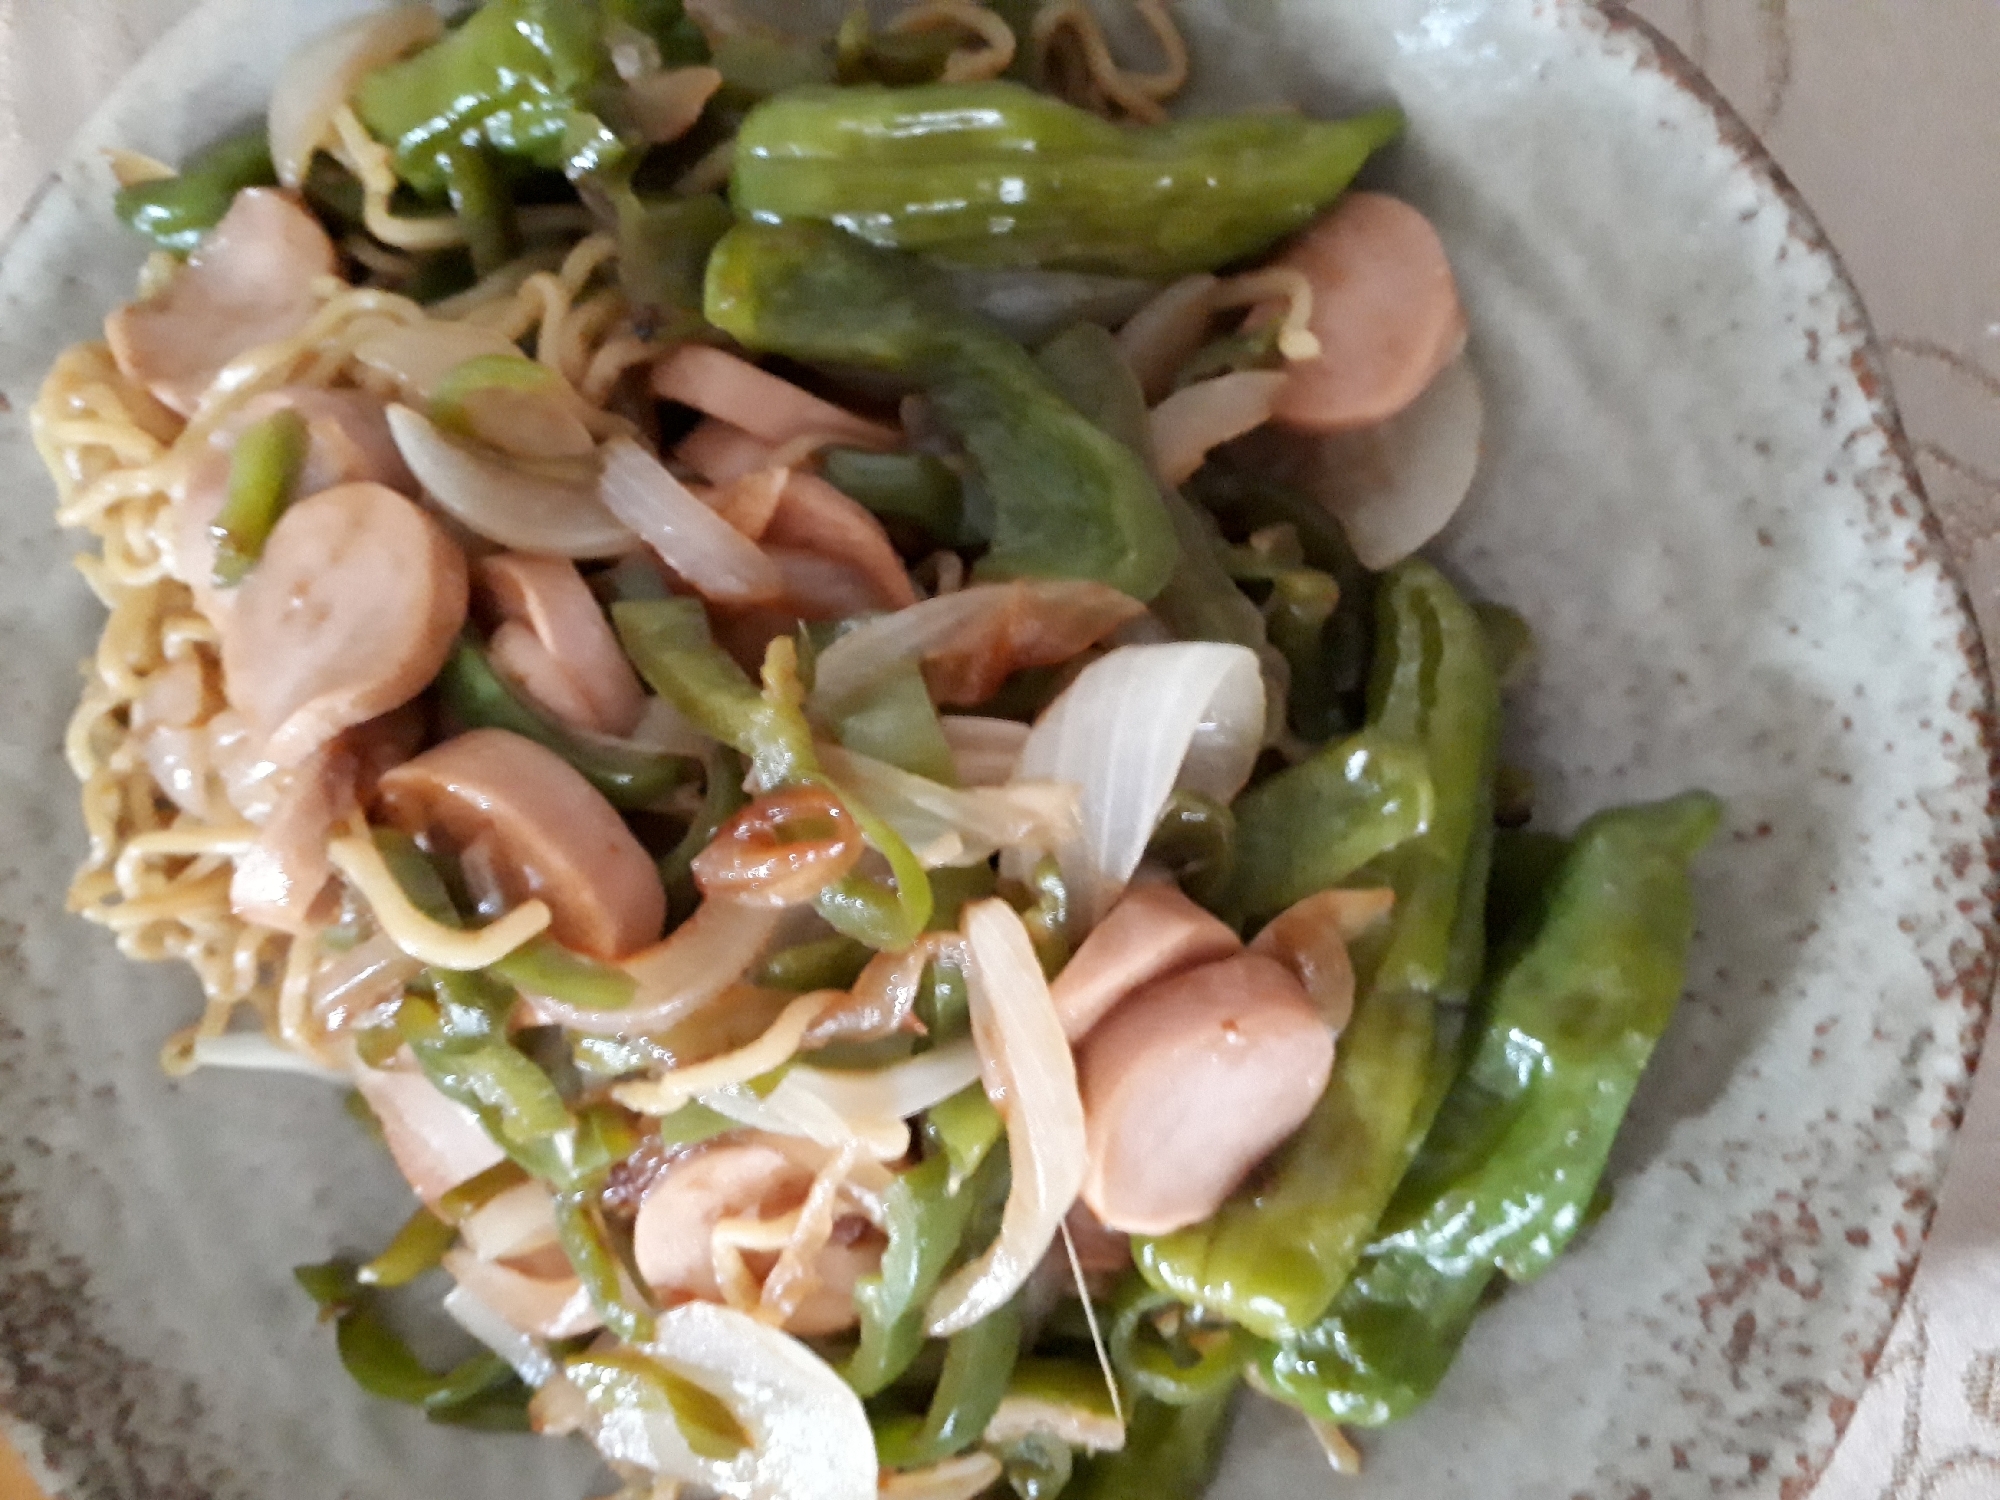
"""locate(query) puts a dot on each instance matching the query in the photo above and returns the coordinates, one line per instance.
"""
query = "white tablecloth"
(1884, 112)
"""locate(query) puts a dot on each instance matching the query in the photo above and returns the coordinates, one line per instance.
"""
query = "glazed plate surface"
(1695, 492)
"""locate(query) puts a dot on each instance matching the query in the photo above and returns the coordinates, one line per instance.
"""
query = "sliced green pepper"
(997, 174)
(894, 720)
(544, 967)
(913, 488)
(1170, 1452)
(1509, 1172)
(483, 1391)
(669, 642)
(483, 205)
(1179, 1367)
(927, 1213)
(580, 1228)
(977, 1364)
(474, 695)
(1067, 499)
(263, 472)
(966, 1128)
(176, 212)
(1275, 1255)
(417, 1248)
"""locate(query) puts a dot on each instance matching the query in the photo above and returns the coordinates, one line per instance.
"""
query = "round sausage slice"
(1385, 310)
(1189, 1084)
(552, 834)
(549, 597)
(349, 613)
(1152, 932)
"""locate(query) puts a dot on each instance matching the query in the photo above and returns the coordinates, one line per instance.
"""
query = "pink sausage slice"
(552, 834)
(1152, 932)
(349, 613)
(719, 384)
(1385, 310)
(549, 597)
(1190, 1084)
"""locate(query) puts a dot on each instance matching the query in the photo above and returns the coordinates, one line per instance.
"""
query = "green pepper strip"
(977, 1364)
(998, 174)
(516, 79)
(1170, 1452)
(587, 1244)
(545, 967)
(894, 720)
(484, 207)
(829, 964)
(1196, 839)
(175, 212)
(477, 697)
(1274, 1256)
(1510, 1170)
(482, 1391)
(966, 1127)
(926, 1213)
(913, 488)
(263, 471)
(1067, 499)
(417, 1248)
(663, 249)
(669, 642)
(1176, 1371)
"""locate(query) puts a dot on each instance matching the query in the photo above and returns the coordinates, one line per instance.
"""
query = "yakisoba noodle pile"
(901, 850)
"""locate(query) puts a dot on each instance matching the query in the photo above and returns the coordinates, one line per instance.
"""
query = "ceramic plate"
(1694, 489)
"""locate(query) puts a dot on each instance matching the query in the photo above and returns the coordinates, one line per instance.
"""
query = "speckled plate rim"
(1971, 988)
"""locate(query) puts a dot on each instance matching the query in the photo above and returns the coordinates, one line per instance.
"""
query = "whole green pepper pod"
(998, 174)
(1508, 1172)
(1068, 500)
(1274, 1256)
(175, 212)
(1170, 1452)
(517, 78)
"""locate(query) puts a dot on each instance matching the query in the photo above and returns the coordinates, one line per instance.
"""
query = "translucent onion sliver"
(1135, 725)
(693, 540)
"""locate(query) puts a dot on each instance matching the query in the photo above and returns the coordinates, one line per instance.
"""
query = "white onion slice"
(417, 356)
(512, 1223)
(809, 1437)
(869, 1106)
(529, 1359)
(984, 751)
(1135, 725)
(503, 503)
(436, 1142)
(1395, 486)
(539, 1306)
(713, 556)
(319, 77)
(1207, 414)
(1029, 1068)
(1165, 333)
(662, 730)
(947, 826)
(679, 975)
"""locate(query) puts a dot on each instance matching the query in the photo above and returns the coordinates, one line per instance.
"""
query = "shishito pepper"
(1068, 500)
(518, 79)
(1508, 1173)
(175, 212)
(997, 174)
(1170, 1452)
(1273, 1257)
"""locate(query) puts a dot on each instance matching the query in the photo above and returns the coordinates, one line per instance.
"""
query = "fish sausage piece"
(1385, 310)
(252, 282)
(553, 835)
(548, 596)
(1190, 1083)
(350, 612)
(1154, 931)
